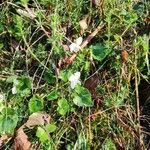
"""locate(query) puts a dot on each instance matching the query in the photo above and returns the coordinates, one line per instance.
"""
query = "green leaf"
(51, 127)
(11, 79)
(82, 97)
(42, 135)
(8, 124)
(131, 17)
(7, 111)
(8, 121)
(82, 142)
(100, 52)
(64, 75)
(23, 84)
(63, 106)
(109, 145)
(1, 45)
(53, 95)
(24, 2)
(49, 77)
(35, 104)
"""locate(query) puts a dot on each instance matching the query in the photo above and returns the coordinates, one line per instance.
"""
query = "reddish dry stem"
(90, 37)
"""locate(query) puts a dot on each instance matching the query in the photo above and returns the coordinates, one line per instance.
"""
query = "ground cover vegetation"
(74, 74)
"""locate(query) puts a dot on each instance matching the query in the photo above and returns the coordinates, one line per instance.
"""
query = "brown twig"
(90, 37)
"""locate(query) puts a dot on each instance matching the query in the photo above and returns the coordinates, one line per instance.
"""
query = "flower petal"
(14, 90)
(79, 41)
(73, 84)
(74, 79)
(74, 47)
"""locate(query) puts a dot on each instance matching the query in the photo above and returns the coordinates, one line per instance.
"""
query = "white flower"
(79, 41)
(74, 79)
(74, 47)
(14, 90)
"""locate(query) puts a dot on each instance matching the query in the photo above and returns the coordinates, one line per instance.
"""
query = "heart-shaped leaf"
(51, 127)
(53, 95)
(82, 97)
(100, 52)
(8, 121)
(63, 106)
(35, 104)
(42, 135)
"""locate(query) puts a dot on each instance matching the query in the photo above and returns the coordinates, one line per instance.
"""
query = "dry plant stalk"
(140, 142)
(90, 37)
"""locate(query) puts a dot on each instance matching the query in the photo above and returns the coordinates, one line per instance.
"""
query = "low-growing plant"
(85, 77)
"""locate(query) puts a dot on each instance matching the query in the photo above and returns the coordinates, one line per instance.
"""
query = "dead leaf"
(3, 139)
(147, 19)
(91, 85)
(21, 141)
(92, 82)
(38, 118)
(96, 2)
(83, 25)
(124, 55)
(65, 47)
